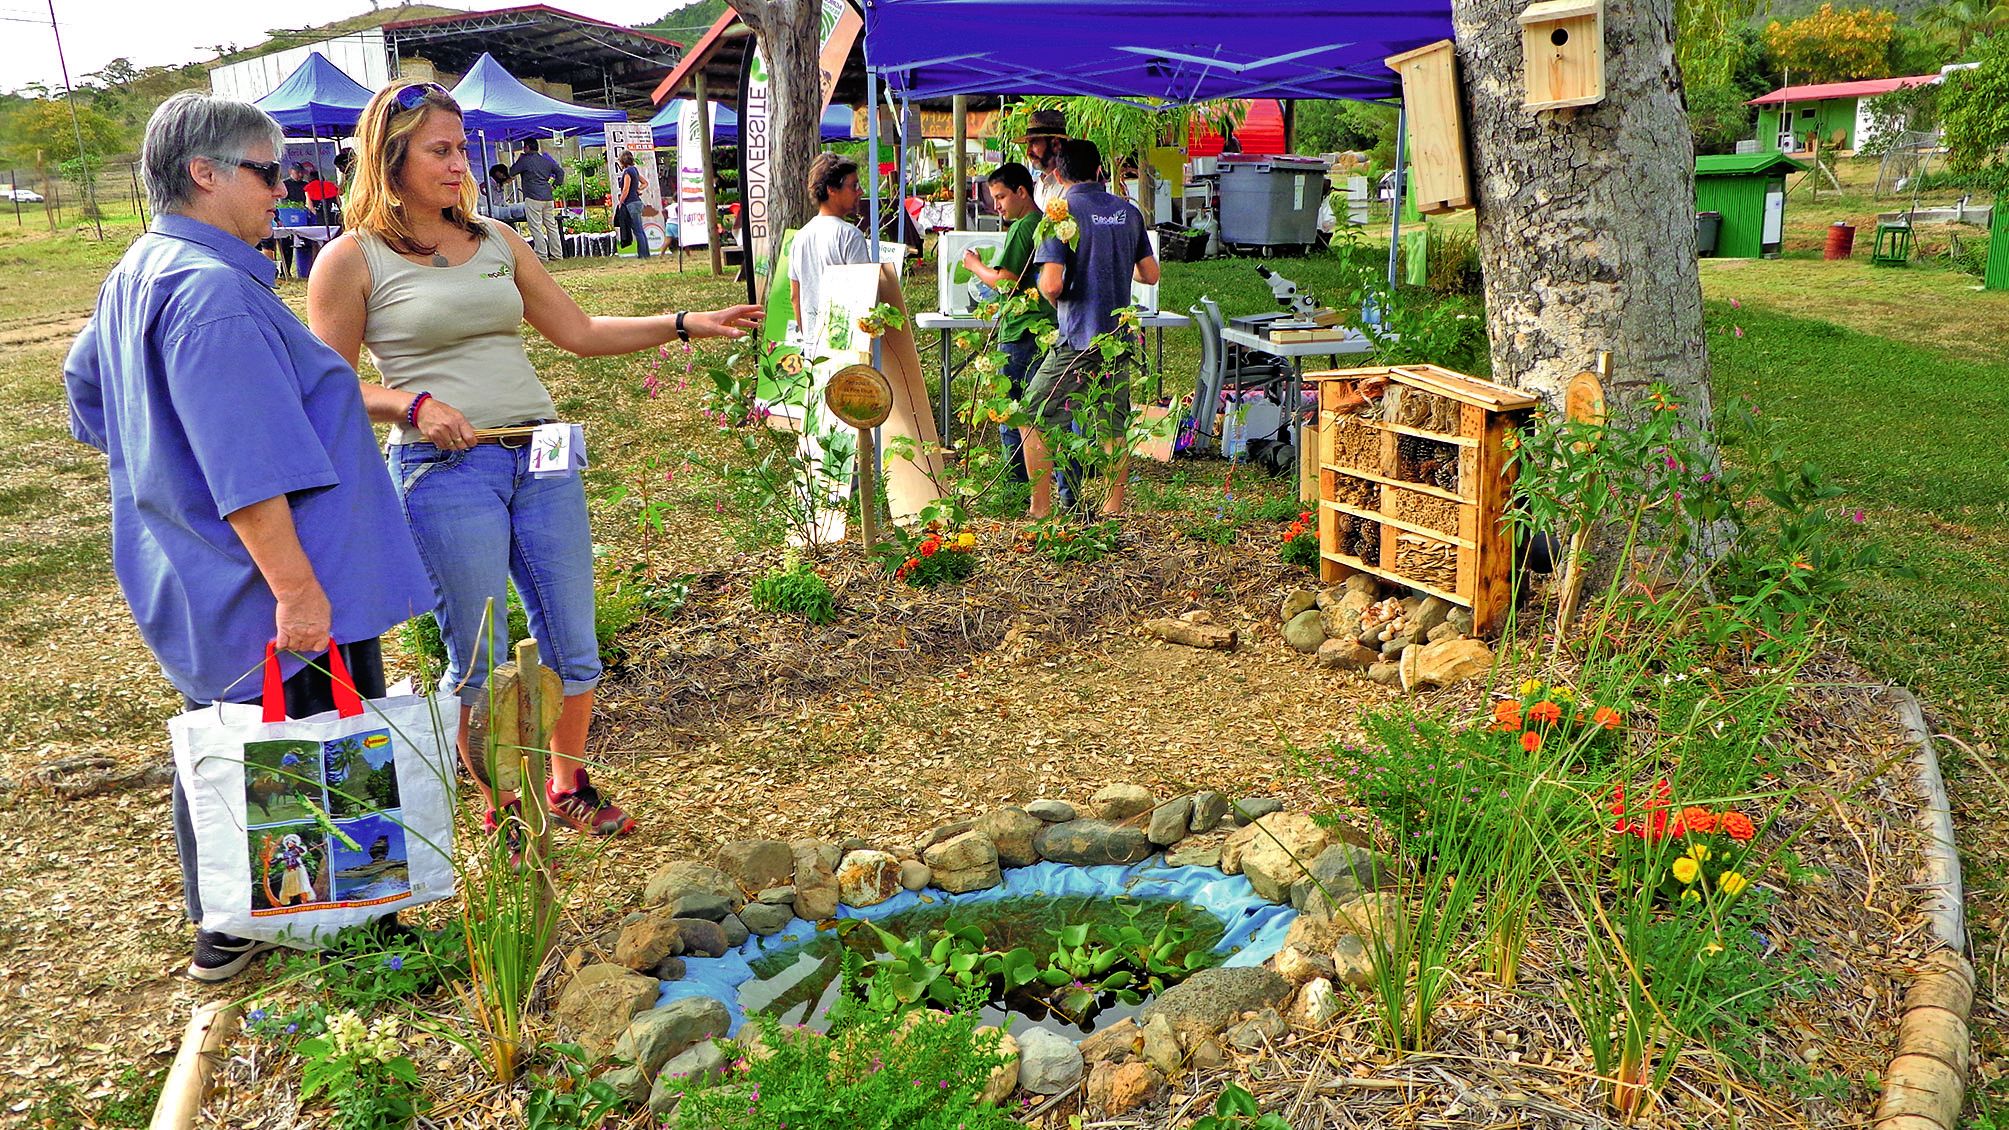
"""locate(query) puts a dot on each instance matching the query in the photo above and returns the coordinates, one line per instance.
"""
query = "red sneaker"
(584, 809)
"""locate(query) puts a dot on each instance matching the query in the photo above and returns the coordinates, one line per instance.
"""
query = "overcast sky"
(166, 32)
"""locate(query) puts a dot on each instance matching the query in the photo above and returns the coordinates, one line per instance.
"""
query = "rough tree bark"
(1586, 216)
(789, 43)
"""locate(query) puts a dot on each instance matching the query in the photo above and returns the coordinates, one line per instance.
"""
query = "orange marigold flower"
(1699, 819)
(1607, 717)
(929, 547)
(1739, 827)
(1531, 741)
(1545, 712)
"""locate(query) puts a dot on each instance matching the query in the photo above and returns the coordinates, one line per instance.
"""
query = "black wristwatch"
(683, 334)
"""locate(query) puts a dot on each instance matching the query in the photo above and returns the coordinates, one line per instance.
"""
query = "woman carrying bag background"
(628, 204)
(438, 294)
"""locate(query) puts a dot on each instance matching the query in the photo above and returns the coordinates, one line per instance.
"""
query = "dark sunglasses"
(413, 96)
(266, 170)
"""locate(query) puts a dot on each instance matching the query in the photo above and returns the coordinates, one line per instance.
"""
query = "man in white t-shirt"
(829, 240)
(1045, 133)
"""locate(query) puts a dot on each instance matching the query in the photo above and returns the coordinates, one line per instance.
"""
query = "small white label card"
(551, 450)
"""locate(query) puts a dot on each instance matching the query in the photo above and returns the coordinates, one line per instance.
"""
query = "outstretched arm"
(555, 314)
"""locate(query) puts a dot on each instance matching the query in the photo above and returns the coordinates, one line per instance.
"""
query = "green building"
(1838, 113)
(1749, 191)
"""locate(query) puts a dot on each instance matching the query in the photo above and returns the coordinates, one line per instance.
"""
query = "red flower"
(1545, 712)
(1507, 713)
(929, 547)
(1739, 827)
(1531, 741)
(1607, 717)
(1699, 819)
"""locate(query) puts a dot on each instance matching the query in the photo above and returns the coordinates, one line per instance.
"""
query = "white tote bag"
(304, 827)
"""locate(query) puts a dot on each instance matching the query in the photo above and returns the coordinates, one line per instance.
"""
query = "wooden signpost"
(862, 397)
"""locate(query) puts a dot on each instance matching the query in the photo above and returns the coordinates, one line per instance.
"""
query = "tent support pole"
(872, 159)
(959, 108)
(705, 163)
(900, 201)
(1395, 205)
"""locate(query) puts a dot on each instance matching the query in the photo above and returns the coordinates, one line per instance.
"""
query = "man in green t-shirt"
(1011, 190)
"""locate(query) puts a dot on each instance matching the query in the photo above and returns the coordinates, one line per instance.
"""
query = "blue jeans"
(481, 520)
(632, 211)
(1019, 358)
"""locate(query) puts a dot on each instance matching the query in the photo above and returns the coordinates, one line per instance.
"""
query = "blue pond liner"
(1255, 927)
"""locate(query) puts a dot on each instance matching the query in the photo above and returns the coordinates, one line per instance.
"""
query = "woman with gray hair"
(248, 503)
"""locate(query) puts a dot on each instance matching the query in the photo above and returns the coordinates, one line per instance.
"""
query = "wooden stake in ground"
(862, 397)
(187, 1082)
(1583, 400)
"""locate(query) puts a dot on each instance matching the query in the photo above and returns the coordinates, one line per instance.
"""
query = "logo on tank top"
(501, 272)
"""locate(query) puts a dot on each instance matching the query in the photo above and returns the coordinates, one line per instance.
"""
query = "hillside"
(286, 38)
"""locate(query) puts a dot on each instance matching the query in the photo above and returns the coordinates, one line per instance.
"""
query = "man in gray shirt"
(540, 173)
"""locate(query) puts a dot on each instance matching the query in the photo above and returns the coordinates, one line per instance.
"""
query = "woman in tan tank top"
(438, 294)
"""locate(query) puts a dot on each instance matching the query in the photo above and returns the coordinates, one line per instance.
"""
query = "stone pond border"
(1925, 1085)
(701, 909)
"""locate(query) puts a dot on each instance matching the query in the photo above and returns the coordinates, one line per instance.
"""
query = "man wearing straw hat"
(1045, 133)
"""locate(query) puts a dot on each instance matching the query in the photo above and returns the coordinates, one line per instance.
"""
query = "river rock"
(736, 931)
(654, 1037)
(866, 878)
(674, 880)
(1248, 810)
(1304, 632)
(1120, 1042)
(1003, 1079)
(1274, 852)
(704, 938)
(1443, 632)
(968, 862)
(1317, 1004)
(778, 896)
(1013, 830)
(1339, 874)
(1161, 1046)
(670, 969)
(1396, 645)
(701, 904)
(1169, 822)
(1364, 585)
(1387, 674)
(914, 875)
(1340, 654)
(598, 1003)
(1120, 801)
(757, 864)
(1086, 843)
(1298, 965)
(1206, 1003)
(697, 1063)
(766, 919)
(628, 1082)
(1461, 619)
(644, 944)
(816, 889)
(1434, 610)
(1190, 854)
(1265, 1027)
(943, 834)
(1051, 811)
(1297, 602)
(1048, 1063)
(1450, 661)
(1353, 961)
(1209, 809)
(1116, 1089)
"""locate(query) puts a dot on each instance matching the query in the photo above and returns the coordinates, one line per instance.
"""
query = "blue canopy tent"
(494, 105)
(836, 125)
(1145, 52)
(316, 99)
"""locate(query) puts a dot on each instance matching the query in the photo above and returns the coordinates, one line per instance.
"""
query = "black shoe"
(219, 957)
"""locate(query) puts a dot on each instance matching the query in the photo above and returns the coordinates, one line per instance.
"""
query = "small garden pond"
(1069, 949)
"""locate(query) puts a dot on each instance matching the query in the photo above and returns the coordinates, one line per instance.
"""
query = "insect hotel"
(1413, 482)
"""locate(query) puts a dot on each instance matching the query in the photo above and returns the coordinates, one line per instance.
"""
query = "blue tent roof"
(725, 125)
(492, 102)
(316, 98)
(1175, 50)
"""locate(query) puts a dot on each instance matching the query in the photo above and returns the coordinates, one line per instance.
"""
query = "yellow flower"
(1686, 869)
(1700, 851)
(1712, 949)
(966, 541)
(1731, 883)
(1056, 210)
(1691, 895)
(1563, 694)
(1531, 686)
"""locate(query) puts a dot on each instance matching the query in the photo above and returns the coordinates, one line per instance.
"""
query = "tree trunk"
(789, 44)
(1586, 216)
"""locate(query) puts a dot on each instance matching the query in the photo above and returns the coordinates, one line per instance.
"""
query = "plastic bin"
(1708, 226)
(1271, 201)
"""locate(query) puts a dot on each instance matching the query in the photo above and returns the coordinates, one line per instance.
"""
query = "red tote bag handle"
(348, 704)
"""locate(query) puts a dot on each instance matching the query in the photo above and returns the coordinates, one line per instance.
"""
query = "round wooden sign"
(1583, 399)
(860, 396)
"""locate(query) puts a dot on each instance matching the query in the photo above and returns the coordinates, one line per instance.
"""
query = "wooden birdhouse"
(1436, 128)
(1562, 50)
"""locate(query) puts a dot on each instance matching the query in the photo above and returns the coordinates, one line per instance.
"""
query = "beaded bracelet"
(412, 409)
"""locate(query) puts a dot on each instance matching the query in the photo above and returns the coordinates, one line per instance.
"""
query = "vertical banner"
(691, 178)
(838, 30)
(635, 138)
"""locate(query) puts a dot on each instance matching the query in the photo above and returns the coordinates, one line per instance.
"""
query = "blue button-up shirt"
(209, 395)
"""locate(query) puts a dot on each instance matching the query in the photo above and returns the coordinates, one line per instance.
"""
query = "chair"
(1219, 367)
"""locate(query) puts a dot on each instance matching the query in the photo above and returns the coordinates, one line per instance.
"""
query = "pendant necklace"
(439, 260)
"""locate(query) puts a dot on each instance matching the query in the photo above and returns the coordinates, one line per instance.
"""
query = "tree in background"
(1723, 66)
(1832, 45)
(41, 128)
(1336, 125)
(1974, 108)
(788, 31)
(1966, 22)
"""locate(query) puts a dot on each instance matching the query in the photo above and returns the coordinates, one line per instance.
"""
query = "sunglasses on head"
(266, 170)
(413, 96)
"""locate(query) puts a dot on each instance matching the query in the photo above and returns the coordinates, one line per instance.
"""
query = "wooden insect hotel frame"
(1414, 481)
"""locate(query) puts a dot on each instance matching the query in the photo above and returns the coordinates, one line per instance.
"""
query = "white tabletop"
(1353, 342)
(935, 320)
(319, 232)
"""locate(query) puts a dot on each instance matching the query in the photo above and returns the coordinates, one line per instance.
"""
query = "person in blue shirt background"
(248, 501)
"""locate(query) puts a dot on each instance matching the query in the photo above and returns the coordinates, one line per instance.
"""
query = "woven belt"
(512, 435)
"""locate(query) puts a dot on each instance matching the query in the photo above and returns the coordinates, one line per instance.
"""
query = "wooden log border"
(1927, 1080)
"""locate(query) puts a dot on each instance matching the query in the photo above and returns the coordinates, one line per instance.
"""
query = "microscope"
(1303, 307)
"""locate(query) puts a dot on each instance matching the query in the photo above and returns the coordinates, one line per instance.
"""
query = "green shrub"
(794, 587)
(1452, 261)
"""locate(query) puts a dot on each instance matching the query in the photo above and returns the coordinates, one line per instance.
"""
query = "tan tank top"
(454, 332)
